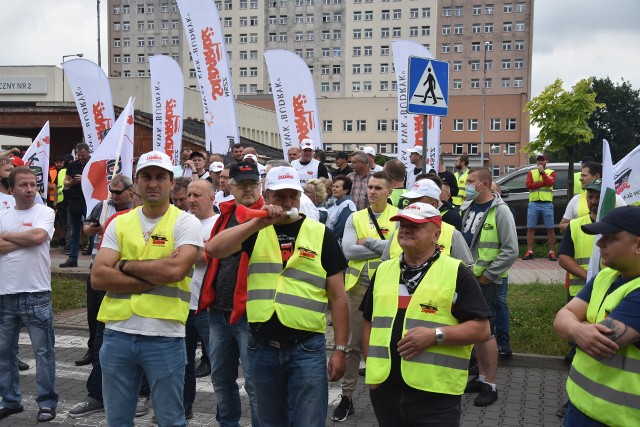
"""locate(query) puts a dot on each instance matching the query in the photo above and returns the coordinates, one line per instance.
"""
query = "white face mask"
(471, 192)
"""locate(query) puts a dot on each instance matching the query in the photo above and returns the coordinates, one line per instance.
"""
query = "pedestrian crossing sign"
(428, 86)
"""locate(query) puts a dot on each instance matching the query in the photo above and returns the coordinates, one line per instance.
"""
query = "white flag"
(411, 126)
(92, 93)
(627, 177)
(36, 158)
(113, 156)
(206, 42)
(167, 99)
(294, 97)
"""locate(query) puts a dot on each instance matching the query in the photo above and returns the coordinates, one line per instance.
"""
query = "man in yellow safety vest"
(540, 183)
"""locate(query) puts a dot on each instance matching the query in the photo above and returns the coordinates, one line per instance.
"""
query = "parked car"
(516, 195)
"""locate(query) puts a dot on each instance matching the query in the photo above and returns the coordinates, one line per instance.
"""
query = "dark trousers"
(94, 299)
(396, 406)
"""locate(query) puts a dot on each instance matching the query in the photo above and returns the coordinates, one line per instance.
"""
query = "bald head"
(200, 196)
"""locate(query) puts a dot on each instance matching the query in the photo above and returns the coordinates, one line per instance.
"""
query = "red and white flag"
(113, 156)
(36, 158)
(92, 93)
(167, 99)
(411, 126)
(294, 97)
(206, 43)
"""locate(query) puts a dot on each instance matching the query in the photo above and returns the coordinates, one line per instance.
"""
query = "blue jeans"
(574, 417)
(228, 348)
(291, 383)
(33, 309)
(124, 358)
(75, 225)
(537, 210)
(196, 326)
(502, 314)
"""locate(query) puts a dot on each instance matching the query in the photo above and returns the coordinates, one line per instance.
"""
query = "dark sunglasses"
(118, 192)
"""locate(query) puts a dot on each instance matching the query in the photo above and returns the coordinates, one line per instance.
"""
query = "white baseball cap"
(250, 156)
(423, 188)
(281, 178)
(417, 150)
(419, 213)
(216, 167)
(155, 158)
(369, 150)
(307, 144)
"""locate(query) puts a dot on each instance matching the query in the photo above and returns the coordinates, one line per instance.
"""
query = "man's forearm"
(27, 238)
(340, 319)
(159, 272)
(104, 278)
(7, 246)
(570, 265)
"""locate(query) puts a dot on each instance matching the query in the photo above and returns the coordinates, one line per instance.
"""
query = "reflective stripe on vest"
(607, 390)
(543, 194)
(297, 293)
(488, 244)
(462, 181)
(582, 247)
(167, 302)
(364, 228)
(441, 368)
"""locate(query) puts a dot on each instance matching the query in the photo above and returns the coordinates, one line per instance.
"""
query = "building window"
(506, 82)
(126, 59)
(446, 11)
(326, 53)
(473, 149)
(336, 86)
(355, 86)
(116, 59)
(506, 45)
(488, 9)
(384, 50)
(243, 21)
(283, 20)
(520, 26)
(116, 26)
(151, 41)
(336, 69)
(476, 10)
(357, 33)
(521, 7)
(426, 12)
(475, 47)
(175, 40)
(326, 35)
(488, 46)
(327, 125)
(506, 64)
(518, 64)
(508, 8)
(368, 15)
(507, 27)
(126, 26)
(397, 14)
(518, 82)
(397, 32)
(384, 86)
(476, 28)
(366, 86)
(394, 125)
(413, 13)
(519, 45)
(357, 16)
(457, 47)
(355, 69)
(472, 125)
(446, 48)
(458, 149)
(457, 65)
(151, 8)
(151, 25)
(126, 8)
(116, 42)
(510, 124)
(382, 125)
(324, 87)
(495, 171)
(337, 34)
(116, 10)
(457, 84)
(311, 18)
(426, 30)
(337, 17)
(140, 58)
(475, 65)
(361, 125)
(243, 88)
(367, 69)
(337, 52)
(283, 37)
(458, 125)
(446, 30)
(495, 124)
(475, 83)
(253, 72)
(126, 42)
(140, 8)
(487, 83)
(459, 11)
(243, 72)
(494, 149)
(347, 125)
(511, 150)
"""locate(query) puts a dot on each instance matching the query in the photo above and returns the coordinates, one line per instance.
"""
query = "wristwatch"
(439, 336)
(342, 348)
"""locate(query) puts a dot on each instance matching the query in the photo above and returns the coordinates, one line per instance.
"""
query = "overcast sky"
(573, 39)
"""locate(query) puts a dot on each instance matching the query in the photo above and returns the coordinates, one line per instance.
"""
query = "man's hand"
(483, 280)
(189, 165)
(592, 339)
(337, 365)
(361, 242)
(415, 341)
(541, 169)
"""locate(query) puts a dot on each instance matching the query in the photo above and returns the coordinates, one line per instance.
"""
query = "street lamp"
(79, 55)
(484, 90)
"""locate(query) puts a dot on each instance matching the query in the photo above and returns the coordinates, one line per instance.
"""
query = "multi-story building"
(347, 46)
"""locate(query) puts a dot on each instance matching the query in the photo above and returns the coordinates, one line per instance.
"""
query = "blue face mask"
(471, 192)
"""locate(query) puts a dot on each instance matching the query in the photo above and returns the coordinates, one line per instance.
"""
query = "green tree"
(618, 121)
(562, 117)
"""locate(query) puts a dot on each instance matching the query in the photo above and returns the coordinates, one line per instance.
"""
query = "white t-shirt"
(27, 269)
(7, 201)
(377, 168)
(572, 207)
(198, 273)
(220, 197)
(185, 232)
(308, 171)
(308, 208)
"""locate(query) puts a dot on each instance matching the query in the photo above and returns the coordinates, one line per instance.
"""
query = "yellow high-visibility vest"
(543, 194)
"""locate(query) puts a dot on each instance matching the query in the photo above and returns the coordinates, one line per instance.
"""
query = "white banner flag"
(113, 156)
(206, 42)
(92, 93)
(36, 158)
(167, 98)
(627, 177)
(294, 97)
(411, 126)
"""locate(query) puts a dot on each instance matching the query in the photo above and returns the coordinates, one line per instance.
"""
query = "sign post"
(429, 94)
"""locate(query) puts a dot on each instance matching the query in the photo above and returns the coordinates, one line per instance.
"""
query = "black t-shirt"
(333, 261)
(74, 196)
(469, 305)
(449, 179)
(344, 172)
(476, 213)
(452, 215)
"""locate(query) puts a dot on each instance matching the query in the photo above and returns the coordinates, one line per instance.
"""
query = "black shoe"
(69, 263)
(86, 359)
(362, 372)
(562, 410)
(473, 386)
(505, 350)
(487, 396)
(204, 370)
(344, 409)
(86, 252)
(46, 414)
(5, 412)
(22, 366)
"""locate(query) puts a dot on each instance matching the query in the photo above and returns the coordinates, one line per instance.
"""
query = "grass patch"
(68, 294)
(533, 308)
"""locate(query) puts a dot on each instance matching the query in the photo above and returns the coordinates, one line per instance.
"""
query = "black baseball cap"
(624, 218)
(244, 170)
(196, 154)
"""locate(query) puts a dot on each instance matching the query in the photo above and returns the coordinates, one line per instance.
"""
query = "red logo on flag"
(212, 55)
(100, 173)
(171, 126)
(303, 118)
(418, 128)
(102, 123)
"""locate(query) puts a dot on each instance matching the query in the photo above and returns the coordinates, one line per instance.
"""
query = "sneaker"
(142, 407)
(84, 409)
(204, 370)
(505, 350)
(344, 409)
(528, 255)
(187, 416)
(552, 256)
(473, 386)
(69, 263)
(5, 412)
(487, 396)
(22, 366)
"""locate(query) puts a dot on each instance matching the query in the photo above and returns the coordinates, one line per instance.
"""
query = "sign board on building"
(23, 85)
(428, 86)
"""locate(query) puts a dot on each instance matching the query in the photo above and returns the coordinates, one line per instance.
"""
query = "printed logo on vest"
(429, 308)
(307, 253)
(158, 240)
(487, 226)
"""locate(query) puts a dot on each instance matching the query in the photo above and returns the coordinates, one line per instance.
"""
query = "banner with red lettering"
(627, 177)
(206, 43)
(167, 100)
(36, 158)
(92, 93)
(411, 126)
(294, 97)
(113, 156)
